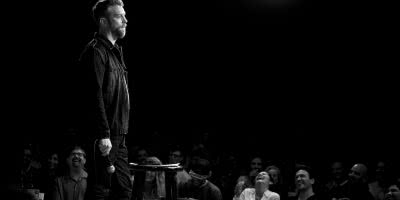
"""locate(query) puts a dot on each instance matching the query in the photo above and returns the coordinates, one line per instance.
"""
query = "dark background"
(316, 75)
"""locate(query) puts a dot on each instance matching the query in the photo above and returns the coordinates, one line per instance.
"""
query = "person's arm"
(217, 195)
(243, 195)
(275, 197)
(94, 63)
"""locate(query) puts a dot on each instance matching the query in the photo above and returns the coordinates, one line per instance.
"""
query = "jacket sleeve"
(94, 64)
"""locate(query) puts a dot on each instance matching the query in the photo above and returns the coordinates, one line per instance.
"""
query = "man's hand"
(105, 146)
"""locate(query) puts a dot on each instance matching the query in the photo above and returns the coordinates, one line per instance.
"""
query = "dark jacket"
(103, 96)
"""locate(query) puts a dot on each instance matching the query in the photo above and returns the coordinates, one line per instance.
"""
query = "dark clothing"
(47, 178)
(354, 191)
(66, 188)
(111, 186)
(104, 106)
(104, 96)
(313, 197)
(208, 191)
(281, 189)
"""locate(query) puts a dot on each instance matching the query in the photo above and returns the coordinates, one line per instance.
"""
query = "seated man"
(198, 187)
(72, 185)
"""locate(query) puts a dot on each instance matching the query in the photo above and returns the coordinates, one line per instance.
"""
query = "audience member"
(304, 181)
(72, 185)
(30, 168)
(379, 182)
(256, 166)
(226, 172)
(49, 171)
(141, 155)
(154, 183)
(277, 183)
(176, 156)
(261, 189)
(393, 191)
(199, 187)
(356, 187)
(338, 177)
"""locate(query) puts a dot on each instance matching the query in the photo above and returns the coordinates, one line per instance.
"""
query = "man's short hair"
(201, 166)
(100, 7)
(306, 168)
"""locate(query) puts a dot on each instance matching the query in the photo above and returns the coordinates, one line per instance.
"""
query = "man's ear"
(103, 21)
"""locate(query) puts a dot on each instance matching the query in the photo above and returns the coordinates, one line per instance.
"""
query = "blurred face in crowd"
(76, 159)
(175, 157)
(337, 170)
(380, 170)
(393, 193)
(199, 172)
(27, 156)
(142, 156)
(358, 173)
(151, 175)
(52, 161)
(274, 175)
(303, 180)
(256, 164)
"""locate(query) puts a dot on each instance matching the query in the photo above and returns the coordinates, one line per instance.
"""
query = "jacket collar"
(105, 41)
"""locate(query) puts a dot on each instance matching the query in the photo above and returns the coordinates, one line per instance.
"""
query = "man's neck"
(108, 35)
(303, 195)
(76, 173)
(260, 191)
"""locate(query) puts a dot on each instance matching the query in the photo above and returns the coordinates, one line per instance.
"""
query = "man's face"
(27, 156)
(393, 193)
(262, 181)
(142, 156)
(337, 170)
(53, 161)
(256, 164)
(117, 21)
(357, 173)
(175, 157)
(76, 159)
(274, 175)
(380, 170)
(303, 180)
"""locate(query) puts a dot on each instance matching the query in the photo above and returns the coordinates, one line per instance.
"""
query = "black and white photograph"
(200, 100)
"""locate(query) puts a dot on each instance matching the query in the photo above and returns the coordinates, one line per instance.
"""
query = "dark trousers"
(105, 186)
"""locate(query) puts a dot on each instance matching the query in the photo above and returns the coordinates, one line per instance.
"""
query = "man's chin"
(122, 33)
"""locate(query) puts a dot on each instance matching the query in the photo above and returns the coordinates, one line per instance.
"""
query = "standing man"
(105, 104)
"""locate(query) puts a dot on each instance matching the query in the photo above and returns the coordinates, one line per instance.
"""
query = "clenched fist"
(105, 146)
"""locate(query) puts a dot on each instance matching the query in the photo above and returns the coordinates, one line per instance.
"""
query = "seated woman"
(261, 189)
(154, 182)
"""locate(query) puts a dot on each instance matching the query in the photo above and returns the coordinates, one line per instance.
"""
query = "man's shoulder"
(94, 48)
(213, 187)
(214, 191)
(271, 194)
(96, 45)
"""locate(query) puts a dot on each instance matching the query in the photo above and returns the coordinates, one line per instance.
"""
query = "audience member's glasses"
(79, 154)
